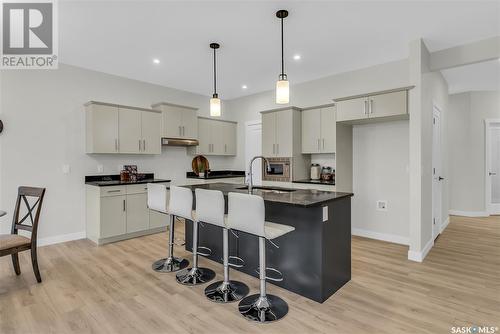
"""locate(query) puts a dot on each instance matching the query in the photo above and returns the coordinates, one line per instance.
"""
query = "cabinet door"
(129, 130)
(217, 129)
(151, 132)
(350, 110)
(230, 139)
(390, 104)
(328, 130)
(113, 216)
(137, 212)
(189, 124)
(157, 219)
(269, 134)
(284, 133)
(204, 136)
(172, 119)
(311, 125)
(102, 129)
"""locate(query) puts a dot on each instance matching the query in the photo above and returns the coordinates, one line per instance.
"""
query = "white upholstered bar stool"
(158, 198)
(195, 275)
(210, 209)
(246, 213)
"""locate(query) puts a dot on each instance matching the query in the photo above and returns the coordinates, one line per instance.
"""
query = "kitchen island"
(315, 258)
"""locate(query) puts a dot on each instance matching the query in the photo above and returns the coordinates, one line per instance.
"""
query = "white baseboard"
(61, 238)
(419, 256)
(468, 213)
(444, 224)
(381, 236)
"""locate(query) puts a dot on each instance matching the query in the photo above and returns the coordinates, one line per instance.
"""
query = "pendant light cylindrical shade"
(282, 86)
(215, 103)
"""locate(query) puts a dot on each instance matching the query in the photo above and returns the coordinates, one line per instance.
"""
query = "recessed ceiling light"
(296, 57)
(244, 87)
(156, 61)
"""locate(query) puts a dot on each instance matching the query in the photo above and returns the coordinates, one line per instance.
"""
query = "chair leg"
(15, 263)
(34, 262)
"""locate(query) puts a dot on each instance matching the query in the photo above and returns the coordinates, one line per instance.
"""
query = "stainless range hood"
(179, 142)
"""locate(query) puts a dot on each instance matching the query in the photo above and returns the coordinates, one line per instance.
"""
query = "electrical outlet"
(100, 168)
(382, 205)
(66, 169)
(325, 214)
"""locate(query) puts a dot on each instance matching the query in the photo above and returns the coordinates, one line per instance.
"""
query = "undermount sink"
(269, 189)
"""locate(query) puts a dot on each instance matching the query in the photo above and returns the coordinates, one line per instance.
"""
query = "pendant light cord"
(215, 75)
(282, 52)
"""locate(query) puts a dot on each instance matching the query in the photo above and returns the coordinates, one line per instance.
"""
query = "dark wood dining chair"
(12, 244)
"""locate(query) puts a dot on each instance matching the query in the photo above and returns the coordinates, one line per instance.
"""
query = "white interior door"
(253, 147)
(436, 173)
(493, 167)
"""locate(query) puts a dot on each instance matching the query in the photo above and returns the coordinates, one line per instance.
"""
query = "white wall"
(380, 169)
(390, 184)
(466, 138)
(44, 128)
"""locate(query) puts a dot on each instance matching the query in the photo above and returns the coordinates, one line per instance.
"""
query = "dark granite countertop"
(218, 174)
(328, 183)
(114, 180)
(297, 197)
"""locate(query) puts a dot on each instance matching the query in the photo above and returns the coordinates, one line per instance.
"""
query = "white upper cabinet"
(319, 130)
(388, 105)
(101, 128)
(120, 129)
(178, 121)
(216, 137)
(281, 133)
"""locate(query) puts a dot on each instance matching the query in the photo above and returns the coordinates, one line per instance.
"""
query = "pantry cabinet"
(178, 121)
(114, 128)
(393, 104)
(216, 137)
(120, 212)
(318, 130)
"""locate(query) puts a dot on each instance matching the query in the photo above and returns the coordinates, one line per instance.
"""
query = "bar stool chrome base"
(195, 276)
(170, 264)
(226, 292)
(263, 309)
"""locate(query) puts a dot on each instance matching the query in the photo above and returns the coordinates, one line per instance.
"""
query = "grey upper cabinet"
(379, 105)
(281, 132)
(216, 137)
(178, 121)
(120, 129)
(319, 130)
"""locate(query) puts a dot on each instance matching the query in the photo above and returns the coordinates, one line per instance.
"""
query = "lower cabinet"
(120, 212)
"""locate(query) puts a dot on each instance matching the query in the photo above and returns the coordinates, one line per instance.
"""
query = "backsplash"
(324, 160)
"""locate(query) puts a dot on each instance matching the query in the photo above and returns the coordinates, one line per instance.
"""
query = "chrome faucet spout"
(250, 171)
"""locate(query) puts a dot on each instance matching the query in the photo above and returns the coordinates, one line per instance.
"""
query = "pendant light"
(215, 101)
(282, 86)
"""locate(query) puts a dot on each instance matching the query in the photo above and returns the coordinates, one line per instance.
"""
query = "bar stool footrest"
(274, 279)
(208, 253)
(236, 265)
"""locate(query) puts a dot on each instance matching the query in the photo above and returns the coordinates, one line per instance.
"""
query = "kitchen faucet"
(250, 181)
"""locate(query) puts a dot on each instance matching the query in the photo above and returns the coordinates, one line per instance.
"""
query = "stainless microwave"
(280, 169)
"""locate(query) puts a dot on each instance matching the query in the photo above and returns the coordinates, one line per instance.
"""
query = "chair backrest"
(210, 206)
(181, 202)
(158, 197)
(246, 213)
(30, 199)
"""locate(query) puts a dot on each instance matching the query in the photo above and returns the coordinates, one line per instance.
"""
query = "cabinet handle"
(183, 131)
(277, 148)
(371, 106)
(116, 145)
(318, 144)
(139, 145)
(113, 191)
(225, 148)
(274, 148)
(364, 107)
(323, 143)
(124, 208)
(180, 130)
(144, 145)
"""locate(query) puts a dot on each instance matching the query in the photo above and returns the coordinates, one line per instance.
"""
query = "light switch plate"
(325, 214)
(66, 169)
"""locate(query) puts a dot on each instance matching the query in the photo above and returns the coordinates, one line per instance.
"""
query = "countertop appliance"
(315, 171)
(327, 173)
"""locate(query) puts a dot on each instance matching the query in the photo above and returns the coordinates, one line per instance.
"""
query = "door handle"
(440, 178)
(492, 173)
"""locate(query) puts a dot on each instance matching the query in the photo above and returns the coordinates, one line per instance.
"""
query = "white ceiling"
(123, 37)
(480, 76)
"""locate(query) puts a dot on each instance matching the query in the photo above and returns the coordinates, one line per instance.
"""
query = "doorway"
(492, 163)
(253, 147)
(437, 178)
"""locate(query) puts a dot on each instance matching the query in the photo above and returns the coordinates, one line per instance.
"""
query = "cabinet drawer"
(112, 191)
(137, 188)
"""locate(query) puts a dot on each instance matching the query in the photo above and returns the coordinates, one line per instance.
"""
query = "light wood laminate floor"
(112, 289)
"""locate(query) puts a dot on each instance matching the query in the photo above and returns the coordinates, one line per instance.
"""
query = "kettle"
(315, 172)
